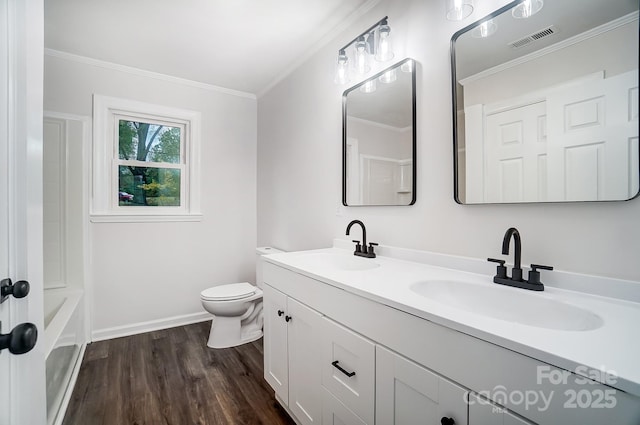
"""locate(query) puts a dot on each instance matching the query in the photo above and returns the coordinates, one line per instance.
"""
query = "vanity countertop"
(613, 347)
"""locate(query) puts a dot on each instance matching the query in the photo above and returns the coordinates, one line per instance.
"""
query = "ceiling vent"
(538, 35)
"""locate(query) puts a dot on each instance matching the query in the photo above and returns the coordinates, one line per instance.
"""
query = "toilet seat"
(232, 291)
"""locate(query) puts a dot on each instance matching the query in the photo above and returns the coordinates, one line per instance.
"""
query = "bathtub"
(64, 341)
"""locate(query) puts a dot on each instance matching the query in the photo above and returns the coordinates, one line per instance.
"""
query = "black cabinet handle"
(337, 366)
(280, 312)
(20, 289)
(287, 318)
(21, 339)
(447, 421)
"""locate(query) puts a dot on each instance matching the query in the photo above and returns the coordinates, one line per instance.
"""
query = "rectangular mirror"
(546, 103)
(379, 139)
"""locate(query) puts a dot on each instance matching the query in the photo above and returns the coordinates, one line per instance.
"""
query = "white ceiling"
(244, 45)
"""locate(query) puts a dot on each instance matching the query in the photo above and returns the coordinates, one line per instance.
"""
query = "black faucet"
(533, 283)
(362, 250)
(516, 272)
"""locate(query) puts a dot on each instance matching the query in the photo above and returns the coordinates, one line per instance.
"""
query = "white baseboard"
(152, 325)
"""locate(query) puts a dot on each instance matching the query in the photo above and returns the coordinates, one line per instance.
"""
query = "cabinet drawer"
(348, 368)
(483, 412)
(408, 394)
(335, 413)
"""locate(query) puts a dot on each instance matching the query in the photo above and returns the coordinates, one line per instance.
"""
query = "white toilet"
(237, 308)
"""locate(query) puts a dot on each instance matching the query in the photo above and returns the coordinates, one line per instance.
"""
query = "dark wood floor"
(170, 377)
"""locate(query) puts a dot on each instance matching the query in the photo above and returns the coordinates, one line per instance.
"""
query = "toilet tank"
(260, 251)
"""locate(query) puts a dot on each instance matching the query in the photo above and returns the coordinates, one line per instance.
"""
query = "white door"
(304, 362)
(515, 151)
(378, 180)
(22, 386)
(276, 367)
(593, 139)
(352, 173)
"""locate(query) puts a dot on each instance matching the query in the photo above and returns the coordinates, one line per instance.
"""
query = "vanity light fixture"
(527, 9)
(362, 57)
(365, 46)
(342, 68)
(384, 52)
(457, 10)
(485, 29)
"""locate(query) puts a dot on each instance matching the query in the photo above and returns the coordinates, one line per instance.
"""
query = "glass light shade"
(342, 69)
(485, 29)
(527, 9)
(457, 10)
(361, 61)
(368, 87)
(384, 51)
(388, 77)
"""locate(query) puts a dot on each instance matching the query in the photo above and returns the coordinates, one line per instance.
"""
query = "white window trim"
(104, 205)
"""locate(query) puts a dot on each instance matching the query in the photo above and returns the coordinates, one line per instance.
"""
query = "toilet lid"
(232, 291)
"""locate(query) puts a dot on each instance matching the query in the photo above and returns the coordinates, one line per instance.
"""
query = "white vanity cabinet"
(292, 354)
(483, 412)
(407, 393)
(408, 369)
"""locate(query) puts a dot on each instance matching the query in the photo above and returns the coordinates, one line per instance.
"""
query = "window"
(145, 162)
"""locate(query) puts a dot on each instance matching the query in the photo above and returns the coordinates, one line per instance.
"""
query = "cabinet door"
(276, 371)
(348, 368)
(409, 394)
(483, 412)
(335, 413)
(304, 362)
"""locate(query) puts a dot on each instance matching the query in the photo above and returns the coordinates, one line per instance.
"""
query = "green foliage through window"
(146, 142)
(152, 143)
(148, 186)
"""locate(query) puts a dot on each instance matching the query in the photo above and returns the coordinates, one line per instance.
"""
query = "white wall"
(63, 206)
(299, 168)
(152, 271)
(561, 66)
(380, 140)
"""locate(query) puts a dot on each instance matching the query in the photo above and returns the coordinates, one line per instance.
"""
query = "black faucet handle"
(534, 274)
(358, 247)
(501, 270)
(371, 245)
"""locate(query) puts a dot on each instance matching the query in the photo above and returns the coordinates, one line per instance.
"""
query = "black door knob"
(20, 289)
(447, 421)
(287, 318)
(21, 339)
(280, 312)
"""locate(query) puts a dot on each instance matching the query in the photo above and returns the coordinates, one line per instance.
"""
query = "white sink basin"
(509, 304)
(343, 262)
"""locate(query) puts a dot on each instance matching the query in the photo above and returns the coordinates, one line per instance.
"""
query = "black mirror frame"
(454, 92)
(414, 134)
(455, 89)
